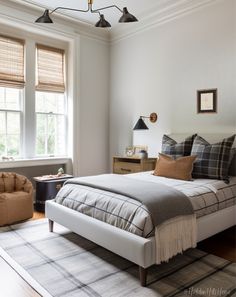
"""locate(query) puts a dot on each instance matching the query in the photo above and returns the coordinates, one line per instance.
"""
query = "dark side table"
(47, 188)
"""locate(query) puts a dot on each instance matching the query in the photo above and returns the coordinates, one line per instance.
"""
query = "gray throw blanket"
(163, 202)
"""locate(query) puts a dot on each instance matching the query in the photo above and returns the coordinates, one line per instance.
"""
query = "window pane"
(41, 125)
(51, 134)
(2, 144)
(10, 133)
(10, 98)
(51, 144)
(2, 123)
(13, 98)
(2, 98)
(13, 123)
(40, 102)
(13, 145)
(50, 102)
(60, 135)
(40, 144)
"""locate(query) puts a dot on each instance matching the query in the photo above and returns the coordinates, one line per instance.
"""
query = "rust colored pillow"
(180, 168)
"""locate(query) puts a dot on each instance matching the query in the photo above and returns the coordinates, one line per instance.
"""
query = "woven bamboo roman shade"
(50, 69)
(11, 62)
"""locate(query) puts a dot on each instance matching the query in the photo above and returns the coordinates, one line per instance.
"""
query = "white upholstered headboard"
(211, 138)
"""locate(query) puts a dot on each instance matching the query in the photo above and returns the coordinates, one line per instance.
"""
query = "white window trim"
(33, 162)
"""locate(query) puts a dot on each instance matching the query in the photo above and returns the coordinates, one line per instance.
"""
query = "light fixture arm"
(90, 8)
(153, 117)
(68, 8)
(106, 7)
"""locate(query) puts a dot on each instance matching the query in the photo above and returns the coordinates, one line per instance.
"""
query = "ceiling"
(139, 8)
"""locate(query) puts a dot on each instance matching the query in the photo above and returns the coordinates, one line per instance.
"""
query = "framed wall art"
(207, 101)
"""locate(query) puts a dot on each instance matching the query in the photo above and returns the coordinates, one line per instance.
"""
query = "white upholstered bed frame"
(130, 246)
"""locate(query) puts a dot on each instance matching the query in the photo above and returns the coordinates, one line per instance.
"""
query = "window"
(33, 114)
(11, 90)
(50, 102)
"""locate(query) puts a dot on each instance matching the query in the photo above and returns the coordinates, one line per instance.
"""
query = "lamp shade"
(102, 23)
(140, 125)
(127, 17)
(45, 18)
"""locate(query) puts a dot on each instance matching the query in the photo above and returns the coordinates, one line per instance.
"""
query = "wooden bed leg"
(143, 276)
(50, 225)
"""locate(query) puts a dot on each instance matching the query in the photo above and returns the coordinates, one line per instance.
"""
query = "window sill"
(33, 162)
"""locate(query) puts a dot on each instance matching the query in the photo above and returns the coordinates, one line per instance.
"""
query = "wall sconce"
(140, 125)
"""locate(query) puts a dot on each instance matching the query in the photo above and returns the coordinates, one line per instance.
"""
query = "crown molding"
(165, 11)
(22, 15)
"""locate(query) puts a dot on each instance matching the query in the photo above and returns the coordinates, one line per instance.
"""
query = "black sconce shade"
(102, 23)
(140, 125)
(45, 18)
(127, 17)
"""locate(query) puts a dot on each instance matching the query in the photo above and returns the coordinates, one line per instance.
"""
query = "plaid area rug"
(63, 264)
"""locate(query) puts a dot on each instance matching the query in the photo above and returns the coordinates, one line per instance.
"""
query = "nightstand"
(125, 165)
(47, 188)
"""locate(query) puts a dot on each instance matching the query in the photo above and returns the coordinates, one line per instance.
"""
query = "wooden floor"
(38, 215)
(12, 285)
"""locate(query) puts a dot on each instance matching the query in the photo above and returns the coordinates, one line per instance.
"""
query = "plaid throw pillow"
(212, 159)
(176, 150)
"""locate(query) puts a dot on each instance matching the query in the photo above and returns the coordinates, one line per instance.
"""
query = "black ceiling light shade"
(102, 23)
(140, 125)
(127, 17)
(45, 18)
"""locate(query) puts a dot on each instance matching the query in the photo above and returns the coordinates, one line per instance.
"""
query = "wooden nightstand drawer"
(125, 165)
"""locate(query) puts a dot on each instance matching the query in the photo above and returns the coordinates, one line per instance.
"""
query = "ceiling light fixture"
(102, 23)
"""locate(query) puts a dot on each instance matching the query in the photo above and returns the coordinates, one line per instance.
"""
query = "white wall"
(94, 107)
(160, 69)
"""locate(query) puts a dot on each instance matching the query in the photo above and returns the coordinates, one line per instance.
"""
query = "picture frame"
(207, 101)
(129, 151)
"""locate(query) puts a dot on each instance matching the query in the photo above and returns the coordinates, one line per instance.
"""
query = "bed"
(213, 202)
